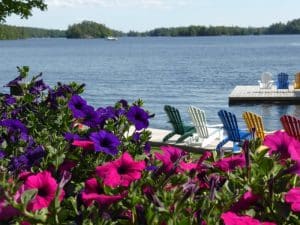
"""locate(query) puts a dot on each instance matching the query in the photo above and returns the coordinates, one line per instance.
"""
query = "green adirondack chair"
(177, 124)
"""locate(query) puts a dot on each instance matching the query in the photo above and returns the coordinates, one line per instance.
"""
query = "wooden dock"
(253, 94)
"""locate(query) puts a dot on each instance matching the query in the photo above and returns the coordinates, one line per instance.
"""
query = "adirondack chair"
(205, 133)
(297, 81)
(177, 124)
(291, 125)
(255, 121)
(234, 134)
(282, 81)
(266, 81)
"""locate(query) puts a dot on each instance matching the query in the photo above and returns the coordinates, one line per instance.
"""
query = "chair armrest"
(215, 126)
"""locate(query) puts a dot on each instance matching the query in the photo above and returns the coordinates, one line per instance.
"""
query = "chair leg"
(184, 136)
(168, 136)
(220, 145)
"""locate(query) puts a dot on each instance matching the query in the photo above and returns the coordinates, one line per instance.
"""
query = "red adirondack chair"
(291, 125)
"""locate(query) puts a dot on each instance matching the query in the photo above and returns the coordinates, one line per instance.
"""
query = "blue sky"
(142, 15)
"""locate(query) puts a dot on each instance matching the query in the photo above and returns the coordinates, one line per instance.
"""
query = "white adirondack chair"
(266, 81)
(205, 133)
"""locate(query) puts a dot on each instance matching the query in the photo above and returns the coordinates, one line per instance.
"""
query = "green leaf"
(28, 195)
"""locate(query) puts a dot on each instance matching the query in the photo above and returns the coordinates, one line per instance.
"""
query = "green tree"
(22, 8)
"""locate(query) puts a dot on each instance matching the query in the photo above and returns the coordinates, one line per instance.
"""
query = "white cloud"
(118, 3)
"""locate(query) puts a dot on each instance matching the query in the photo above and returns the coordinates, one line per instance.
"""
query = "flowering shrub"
(64, 162)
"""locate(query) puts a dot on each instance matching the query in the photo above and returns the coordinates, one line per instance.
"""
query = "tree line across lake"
(89, 29)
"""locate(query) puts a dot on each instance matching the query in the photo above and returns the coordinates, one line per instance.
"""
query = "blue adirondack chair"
(234, 134)
(282, 81)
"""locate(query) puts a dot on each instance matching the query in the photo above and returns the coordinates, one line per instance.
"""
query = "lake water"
(200, 71)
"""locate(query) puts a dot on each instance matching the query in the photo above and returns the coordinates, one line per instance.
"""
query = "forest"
(90, 29)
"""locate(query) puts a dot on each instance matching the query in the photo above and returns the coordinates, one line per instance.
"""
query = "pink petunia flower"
(230, 218)
(187, 166)
(93, 192)
(248, 199)
(46, 186)
(169, 157)
(121, 172)
(231, 163)
(279, 143)
(293, 197)
(85, 144)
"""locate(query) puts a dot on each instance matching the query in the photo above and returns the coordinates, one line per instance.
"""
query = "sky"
(143, 15)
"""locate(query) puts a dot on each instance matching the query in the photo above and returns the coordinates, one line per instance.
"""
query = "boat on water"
(111, 38)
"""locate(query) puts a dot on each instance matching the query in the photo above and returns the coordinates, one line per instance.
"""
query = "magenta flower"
(46, 186)
(85, 144)
(279, 143)
(138, 117)
(293, 149)
(121, 172)
(186, 166)
(171, 156)
(93, 192)
(248, 199)
(105, 141)
(231, 163)
(230, 218)
(293, 197)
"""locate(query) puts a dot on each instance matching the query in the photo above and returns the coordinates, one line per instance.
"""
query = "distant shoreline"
(93, 30)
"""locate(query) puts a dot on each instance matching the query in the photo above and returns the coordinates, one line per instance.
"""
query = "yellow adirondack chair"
(255, 121)
(297, 81)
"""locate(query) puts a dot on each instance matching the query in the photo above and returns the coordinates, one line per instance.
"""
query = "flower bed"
(65, 162)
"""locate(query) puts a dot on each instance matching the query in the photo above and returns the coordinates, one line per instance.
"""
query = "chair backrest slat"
(291, 125)
(175, 118)
(282, 81)
(297, 81)
(253, 120)
(199, 120)
(266, 77)
(230, 125)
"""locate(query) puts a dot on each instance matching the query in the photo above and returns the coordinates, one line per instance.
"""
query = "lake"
(181, 71)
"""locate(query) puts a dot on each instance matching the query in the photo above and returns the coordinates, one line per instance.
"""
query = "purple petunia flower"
(138, 117)
(25, 161)
(38, 87)
(35, 155)
(14, 82)
(147, 147)
(9, 100)
(105, 114)
(124, 103)
(105, 142)
(14, 124)
(77, 106)
(71, 137)
(136, 136)
(64, 90)
(18, 163)
(90, 117)
(16, 129)
(2, 154)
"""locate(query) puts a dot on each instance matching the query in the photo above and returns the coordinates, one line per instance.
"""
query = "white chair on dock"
(205, 133)
(266, 81)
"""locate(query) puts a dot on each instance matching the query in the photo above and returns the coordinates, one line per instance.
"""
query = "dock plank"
(253, 94)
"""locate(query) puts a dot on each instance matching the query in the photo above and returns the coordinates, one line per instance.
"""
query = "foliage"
(89, 29)
(21, 8)
(63, 162)
(13, 32)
